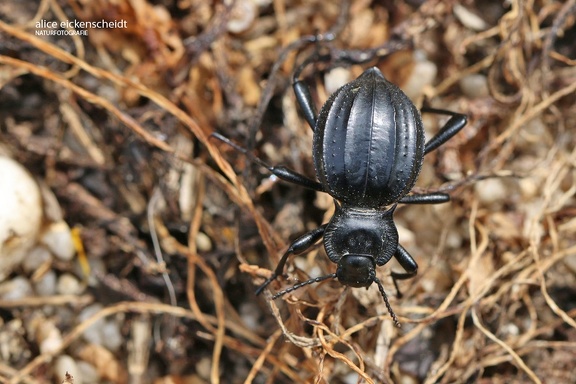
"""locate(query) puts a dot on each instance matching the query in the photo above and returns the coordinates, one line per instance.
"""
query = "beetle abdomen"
(368, 142)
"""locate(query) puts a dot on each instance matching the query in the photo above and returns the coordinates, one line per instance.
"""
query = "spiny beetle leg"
(280, 171)
(426, 198)
(298, 246)
(409, 265)
(452, 127)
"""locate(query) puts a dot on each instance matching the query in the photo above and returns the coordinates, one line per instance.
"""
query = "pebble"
(111, 335)
(350, 378)
(49, 337)
(422, 75)
(529, 188)
(103, 332)
(16, 289)
(454, 239)
(89, 373)
(68, 284)
(93, 333)
(336, 78)
(491, 191)
(242, 16)
(203, 242)
(474, 86)
(36, 257)
(468, 19)
(20, 214)
(250, 314)
(58, 239)
(66, 364)
(46, 285)
(203, 367)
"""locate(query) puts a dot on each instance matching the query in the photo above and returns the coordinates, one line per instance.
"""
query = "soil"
(111, 106)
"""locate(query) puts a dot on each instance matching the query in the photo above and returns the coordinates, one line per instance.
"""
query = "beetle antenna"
(300, 285)
(388, 306)
(242, 150)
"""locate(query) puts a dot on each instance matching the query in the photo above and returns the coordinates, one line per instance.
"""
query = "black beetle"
(368, 150)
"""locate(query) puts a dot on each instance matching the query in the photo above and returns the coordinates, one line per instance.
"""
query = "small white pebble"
(423, 74)
(49, 337)
(203, 242)
(428, 285)
(15, 289)
(529, 188)
(36, 257)
(474, 85)
(336, 78)
(315, 271)
(350, 378)
(203, 367)
(105, 333)
(250, 313)
(93, 334)
(68, 284)
(491, 191)
(46, 285)
(468, 19)
(454, 240)
(242, 16)
(111, 336)
(58, 239)
(89, 373)
(66, 364)
(510, 329)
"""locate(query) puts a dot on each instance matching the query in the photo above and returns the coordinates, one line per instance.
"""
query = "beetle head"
(356, 270)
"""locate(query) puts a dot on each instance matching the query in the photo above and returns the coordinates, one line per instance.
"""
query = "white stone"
(20, 214)
(58, 239)
(16, 289)
(474, 85)
(46, 285)
(66, 364)
(68, 284)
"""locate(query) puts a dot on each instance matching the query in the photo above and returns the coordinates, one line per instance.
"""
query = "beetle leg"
(294, 177)
(426, 198)
(304, 99)
(280, 171)
(298, 246)
(452, 127)
(409, 265)
(302, 92)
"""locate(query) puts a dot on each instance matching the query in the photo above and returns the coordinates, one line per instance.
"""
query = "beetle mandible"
(368, 149)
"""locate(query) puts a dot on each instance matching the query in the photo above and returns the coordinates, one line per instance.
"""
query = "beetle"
(368, 149)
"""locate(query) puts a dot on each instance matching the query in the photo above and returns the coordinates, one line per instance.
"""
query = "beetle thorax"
(358, 240)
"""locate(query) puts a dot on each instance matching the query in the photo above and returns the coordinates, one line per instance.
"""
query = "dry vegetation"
(178, 229)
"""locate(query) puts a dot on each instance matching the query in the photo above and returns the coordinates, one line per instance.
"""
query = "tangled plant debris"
(173, 230)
